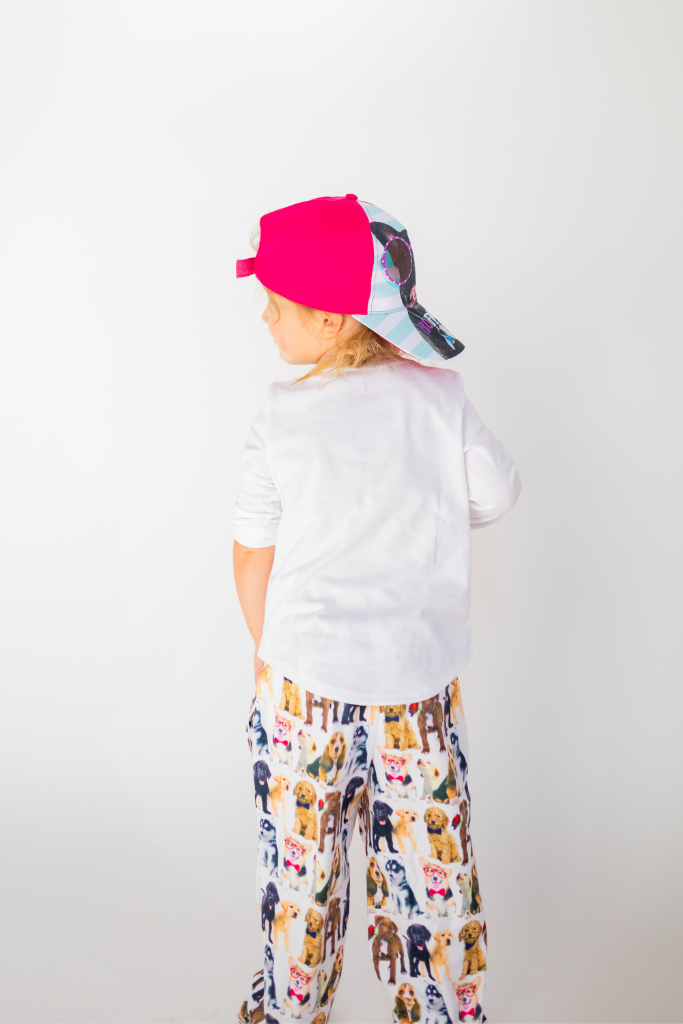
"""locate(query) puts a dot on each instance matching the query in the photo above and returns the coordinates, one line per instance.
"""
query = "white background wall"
(534, 151)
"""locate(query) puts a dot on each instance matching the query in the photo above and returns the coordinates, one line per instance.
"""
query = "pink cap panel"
(319, 253)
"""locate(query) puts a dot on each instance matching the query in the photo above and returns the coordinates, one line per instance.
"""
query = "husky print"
(267, 846)
(426, 928)
(357, 760)
(396, 771)
(258, 733)
(399, 267)
(436, 1011)
(269, 978)
(460, 758)
(404, 897)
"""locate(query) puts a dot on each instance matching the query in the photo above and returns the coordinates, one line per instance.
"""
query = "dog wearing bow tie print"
(305, 817)
(282, 739)
(396, 771)
(312, 952)
(294, 872)
(298, 996)
(439, 893)
(398, 732)
(442, 844)
(469, 1008)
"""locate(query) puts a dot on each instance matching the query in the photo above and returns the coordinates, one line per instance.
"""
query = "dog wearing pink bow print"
(282, 739)
(469, 1008)
(396, 771)
(298, 996)
(440, 898)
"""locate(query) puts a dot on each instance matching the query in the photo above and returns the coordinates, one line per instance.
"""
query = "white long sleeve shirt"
(368, 486)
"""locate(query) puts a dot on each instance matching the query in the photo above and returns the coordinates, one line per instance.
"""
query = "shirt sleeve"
(493, 482)
(258, 508)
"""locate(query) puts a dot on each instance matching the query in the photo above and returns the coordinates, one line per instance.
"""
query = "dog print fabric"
(401, 771)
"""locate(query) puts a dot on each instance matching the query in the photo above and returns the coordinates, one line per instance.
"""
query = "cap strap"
(245, 268)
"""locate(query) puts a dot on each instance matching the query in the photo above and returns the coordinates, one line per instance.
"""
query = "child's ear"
(330, 324)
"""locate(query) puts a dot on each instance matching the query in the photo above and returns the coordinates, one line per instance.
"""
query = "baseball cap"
(343, 255)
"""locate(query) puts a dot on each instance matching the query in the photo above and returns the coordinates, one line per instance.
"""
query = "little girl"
(360, 483)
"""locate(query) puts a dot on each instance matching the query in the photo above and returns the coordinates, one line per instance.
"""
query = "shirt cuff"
(496, 512)
(253, 536)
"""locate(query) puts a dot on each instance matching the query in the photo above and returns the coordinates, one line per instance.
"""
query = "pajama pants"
(400, 770)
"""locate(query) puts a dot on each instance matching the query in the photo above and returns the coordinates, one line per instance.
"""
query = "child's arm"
(252, 570)
(492, 480)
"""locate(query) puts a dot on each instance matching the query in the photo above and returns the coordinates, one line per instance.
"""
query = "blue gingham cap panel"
(384, 294)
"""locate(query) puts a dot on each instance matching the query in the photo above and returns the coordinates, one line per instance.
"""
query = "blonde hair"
(362, 347)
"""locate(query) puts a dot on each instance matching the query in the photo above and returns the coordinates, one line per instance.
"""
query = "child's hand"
(258, 665)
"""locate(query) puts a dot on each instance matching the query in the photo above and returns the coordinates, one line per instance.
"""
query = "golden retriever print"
(284, 915)
(265, 679)
(279, 788)
(442, 844)
(319, 769)
(305, 817)
(398, 732)
(439, 953)
(312, 953)
(473, 961)
(291, 699)
(403, 828)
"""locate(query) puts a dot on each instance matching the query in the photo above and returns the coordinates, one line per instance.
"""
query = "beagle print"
(398, 771)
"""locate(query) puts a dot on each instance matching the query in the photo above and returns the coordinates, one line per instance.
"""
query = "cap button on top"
(350, 195)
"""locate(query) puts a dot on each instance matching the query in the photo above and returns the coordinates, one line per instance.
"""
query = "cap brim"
(429, 343)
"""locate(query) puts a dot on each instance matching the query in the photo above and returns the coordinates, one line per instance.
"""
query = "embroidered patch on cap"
(397, 260)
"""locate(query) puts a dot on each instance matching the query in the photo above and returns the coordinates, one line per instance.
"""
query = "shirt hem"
(409, 695)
